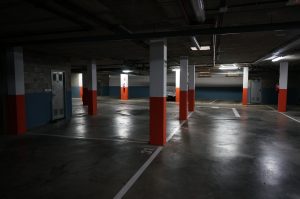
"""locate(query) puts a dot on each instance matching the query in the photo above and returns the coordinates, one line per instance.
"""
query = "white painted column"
(177, 84)
(245, 86)
(124, 86)
(283, 83)
(191, 87)
(158, 84)
(16, 110)
(183, 104)
(92, 88)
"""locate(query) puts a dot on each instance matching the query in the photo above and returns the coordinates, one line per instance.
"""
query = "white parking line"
(87, 138)
(236, 113)
(141, 170)
(284, 114)
(212, 102)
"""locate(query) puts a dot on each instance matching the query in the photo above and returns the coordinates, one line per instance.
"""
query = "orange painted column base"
(158, 120)
(81, 92)
(124, 93)
(191, 99)
(183, 105)
(92, 104)
(177, 95)
(245, 96)
(282, 100)
(16, 115)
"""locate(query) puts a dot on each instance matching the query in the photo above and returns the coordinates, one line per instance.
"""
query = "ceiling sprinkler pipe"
(198, 7)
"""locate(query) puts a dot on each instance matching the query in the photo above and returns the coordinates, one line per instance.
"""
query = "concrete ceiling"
(45, 26)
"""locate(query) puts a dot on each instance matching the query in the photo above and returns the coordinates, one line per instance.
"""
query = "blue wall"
(270, 96)
(39, 108)
(103, 90)
(75, 91)
(138, 92)
(133, 91)
(220, 93)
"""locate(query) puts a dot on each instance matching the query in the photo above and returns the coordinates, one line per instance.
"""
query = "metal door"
(58, 95)
(255, 91)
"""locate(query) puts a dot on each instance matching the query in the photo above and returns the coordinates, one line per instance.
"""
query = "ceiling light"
(277, 59)
(127, 71)
(175, 69)
(229, 67)
(194, 48)
(204, 47)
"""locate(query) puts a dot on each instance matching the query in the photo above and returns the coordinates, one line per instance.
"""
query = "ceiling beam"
(168, 34)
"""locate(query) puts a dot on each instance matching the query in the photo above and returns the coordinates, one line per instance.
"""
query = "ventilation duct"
(198, 8)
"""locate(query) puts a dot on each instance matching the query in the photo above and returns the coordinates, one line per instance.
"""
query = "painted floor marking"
(284, 114)
(236, 113)
(87, 138)
(289, 117)
(212, 102)
(141, 170)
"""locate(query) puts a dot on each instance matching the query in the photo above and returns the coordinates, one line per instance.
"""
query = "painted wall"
(76, 85)
(38, 85)
(219, 87)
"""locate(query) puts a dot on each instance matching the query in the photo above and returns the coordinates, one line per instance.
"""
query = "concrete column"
(124, 86)
(92, 93)
(191, 95)
(245, 86)
(158, 84)
(85, 92)
(80, 84)
(177, 84)
(283, 82)
(16, 115)
(183, 104)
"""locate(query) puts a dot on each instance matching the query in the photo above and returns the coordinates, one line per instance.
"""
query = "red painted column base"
(183, 105)
(92, 107)
(81, 92)
(16, 115)
(191, 99)
(85, 97)
(158, 120)
(245, 96)
(177, 95)
(124, 93)
(282, 100)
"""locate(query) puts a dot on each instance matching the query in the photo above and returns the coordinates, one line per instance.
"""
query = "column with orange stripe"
(85, 88)
(124, 86)
(283, 82)
(177, 85)
(158, 83)
(92, 88)
(183, 103)
(16, 110)
(245, 86)
(191, 95)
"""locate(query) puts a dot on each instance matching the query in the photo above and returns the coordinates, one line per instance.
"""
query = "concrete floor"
(215, 154)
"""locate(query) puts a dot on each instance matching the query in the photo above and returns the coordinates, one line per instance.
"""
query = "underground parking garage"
(150, 99)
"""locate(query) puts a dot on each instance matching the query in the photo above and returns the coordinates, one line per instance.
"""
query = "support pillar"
(183, 104)
(124, 86)
(177, 84)
(16, 115)
(191, 95)
(85, 89)
(245, 86)
(283, 82)
(92, 93)
(80, 84)
(158, 83)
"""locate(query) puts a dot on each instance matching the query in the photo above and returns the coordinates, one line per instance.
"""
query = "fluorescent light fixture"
(204, 72)
(229, 67)
(277, 59)
(204, 47)
(194, 48)
(127, 71)
(175, 69)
